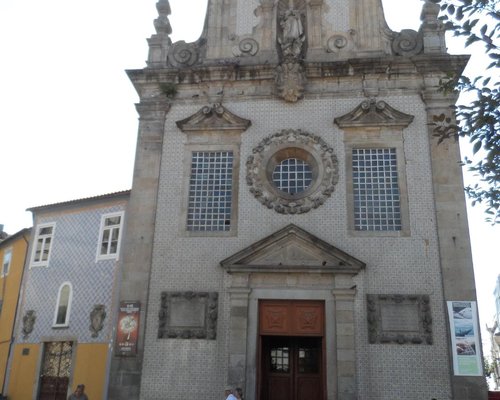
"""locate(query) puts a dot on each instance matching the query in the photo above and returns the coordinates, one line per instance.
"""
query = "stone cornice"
(405, 73)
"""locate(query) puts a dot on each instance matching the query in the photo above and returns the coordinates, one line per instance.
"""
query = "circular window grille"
(292, 171)
(292, 176)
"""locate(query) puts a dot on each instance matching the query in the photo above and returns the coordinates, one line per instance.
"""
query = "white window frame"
(104, 217)
(39, 227)
(5, 271)
(68, 310)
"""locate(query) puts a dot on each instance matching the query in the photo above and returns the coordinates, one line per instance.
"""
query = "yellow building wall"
(9, 292)
(24, 372)
(90, 368)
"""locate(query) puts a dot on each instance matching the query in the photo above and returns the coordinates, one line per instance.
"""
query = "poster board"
(466, 346)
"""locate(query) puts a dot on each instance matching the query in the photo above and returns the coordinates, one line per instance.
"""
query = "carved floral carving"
(97, 317)
(326, 172)
(28, 322)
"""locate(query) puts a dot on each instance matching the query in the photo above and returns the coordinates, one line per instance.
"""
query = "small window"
(377, 205)
(7, 258)
(210, 192)
(109, 242)
(293, 176)
(42, 245)
(63, 305)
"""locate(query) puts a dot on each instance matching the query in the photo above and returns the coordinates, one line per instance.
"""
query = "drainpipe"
(7, 369)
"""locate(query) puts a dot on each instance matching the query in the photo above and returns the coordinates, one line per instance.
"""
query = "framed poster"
(465, 338)
(127, 331)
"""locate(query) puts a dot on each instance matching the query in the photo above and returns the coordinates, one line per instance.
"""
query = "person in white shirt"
(228, 394)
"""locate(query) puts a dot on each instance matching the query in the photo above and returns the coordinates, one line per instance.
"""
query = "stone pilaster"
(452, 226)
(345, 344)
(238, 332)
(125, 373)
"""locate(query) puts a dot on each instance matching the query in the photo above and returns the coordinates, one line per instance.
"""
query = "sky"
(68, 124)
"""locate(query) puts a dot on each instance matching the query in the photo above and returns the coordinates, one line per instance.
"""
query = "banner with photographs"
(465, 338)
(128, 328)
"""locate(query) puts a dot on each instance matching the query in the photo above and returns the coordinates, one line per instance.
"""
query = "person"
(238, 392)
(228, 394)
(79, 393)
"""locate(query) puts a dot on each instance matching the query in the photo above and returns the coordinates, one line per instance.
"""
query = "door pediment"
(292, 249)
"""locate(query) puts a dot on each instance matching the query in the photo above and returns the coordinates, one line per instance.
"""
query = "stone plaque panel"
(188, 315)
(399, 319)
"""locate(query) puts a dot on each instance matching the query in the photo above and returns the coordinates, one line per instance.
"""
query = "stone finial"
(160, 43)
(432, 29)
(162, 23)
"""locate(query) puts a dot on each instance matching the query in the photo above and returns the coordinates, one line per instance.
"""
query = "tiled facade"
(72, 260)
(281, 90)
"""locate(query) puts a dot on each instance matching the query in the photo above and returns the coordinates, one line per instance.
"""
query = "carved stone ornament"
(290, 143)
(188, 315)
(97, 317)
(407, 43)
(292, 249)
(402, 319)
(182, 54)
(291, 38)
(162, 23)
(246, 47)
(336, 43)
(290, 77)
(372, 113)
(213, 118)
(28, 322)
(290, 81)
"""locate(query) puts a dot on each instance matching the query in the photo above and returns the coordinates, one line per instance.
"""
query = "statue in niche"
(292, 37)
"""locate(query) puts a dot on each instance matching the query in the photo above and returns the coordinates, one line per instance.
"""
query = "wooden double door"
(292, 368)
(291, 350)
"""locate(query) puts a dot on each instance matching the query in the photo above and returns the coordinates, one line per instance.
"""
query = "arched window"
(63, 305)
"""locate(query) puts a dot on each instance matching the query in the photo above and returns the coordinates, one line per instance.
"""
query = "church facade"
(294, 228)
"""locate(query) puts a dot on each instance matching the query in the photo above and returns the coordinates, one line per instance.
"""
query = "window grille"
(377, 203)
(210, 191)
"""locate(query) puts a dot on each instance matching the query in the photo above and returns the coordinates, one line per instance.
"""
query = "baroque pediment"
(292, 249)
(371, 113)
(213, 118)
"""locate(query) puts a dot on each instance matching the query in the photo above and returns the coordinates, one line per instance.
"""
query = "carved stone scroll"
(407, 43)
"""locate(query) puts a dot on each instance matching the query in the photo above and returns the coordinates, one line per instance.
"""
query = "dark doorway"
(56, 370)
(291, 368)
